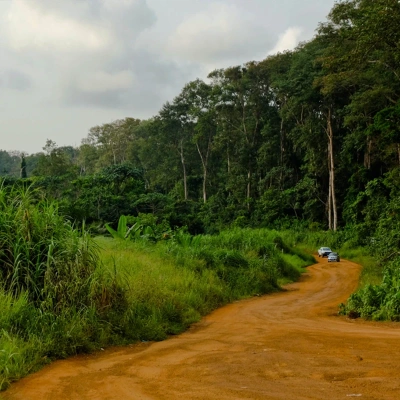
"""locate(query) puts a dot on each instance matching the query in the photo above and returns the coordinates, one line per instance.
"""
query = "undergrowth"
(64, 293)
(378, 293)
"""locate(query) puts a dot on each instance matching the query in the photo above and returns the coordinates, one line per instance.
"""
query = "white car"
(324, 251)
(333, 257)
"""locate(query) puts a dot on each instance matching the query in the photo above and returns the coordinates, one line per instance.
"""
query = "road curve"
(289, 345)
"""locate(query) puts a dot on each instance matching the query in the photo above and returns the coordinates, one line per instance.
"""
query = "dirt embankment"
(290, 345)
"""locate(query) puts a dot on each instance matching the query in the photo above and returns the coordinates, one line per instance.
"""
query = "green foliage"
(40, 252)
(46, 284)
(247, 149)
(236, 253)
(100, 197)
(56, 161)
(142, 227)
(380, 300)
(122, 232)
(377, 302)
(10, 164)
(59, 298)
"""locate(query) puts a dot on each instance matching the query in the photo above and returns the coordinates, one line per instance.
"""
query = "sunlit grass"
(63, 293)
(372, 271)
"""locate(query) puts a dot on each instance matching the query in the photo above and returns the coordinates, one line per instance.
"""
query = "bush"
(41, 253)
(46, 284)
(378, 302)
(63, 293)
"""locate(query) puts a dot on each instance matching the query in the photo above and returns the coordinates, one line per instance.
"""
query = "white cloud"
(101, 81)
(117, 4)
(221, 32)
(288, 40)
(15, 80)
(67, 65)
(28, 26)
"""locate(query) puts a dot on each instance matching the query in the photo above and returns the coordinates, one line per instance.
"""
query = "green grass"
(171, 284)
(161, 298)
(46, 284)
(372, 271)
(343, 242)
(377, 296)
(63, 293)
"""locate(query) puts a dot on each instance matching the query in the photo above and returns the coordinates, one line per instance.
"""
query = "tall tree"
(197, 101)
(55, 161)
(113, 141)
(23, 167)
(243, 100)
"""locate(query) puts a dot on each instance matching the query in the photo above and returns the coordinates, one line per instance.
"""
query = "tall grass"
(62, 292)
(46, 283)
(41, 253)
(170, 284)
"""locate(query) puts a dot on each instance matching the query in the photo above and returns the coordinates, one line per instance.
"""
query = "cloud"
(288, 40)
(136, 81)
(72, 64)
(14, 79)
(220, 33)
(88, 48)
(104, 89)
(102, 81)
(29, 27)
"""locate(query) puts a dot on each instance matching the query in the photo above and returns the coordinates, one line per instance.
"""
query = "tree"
(56, 161)
(23, 167)
(197, 101)
(361, 61)
(243, 107)
(113, 141)
(10, 163)
(176, 131)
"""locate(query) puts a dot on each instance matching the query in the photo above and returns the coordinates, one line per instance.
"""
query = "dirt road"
(290, 345)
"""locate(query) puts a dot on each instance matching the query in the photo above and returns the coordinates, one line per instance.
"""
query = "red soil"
(289, 345)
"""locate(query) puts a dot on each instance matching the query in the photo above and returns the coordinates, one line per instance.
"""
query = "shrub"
(41, 253)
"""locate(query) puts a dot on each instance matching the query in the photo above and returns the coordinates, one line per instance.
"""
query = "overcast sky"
(68, 65)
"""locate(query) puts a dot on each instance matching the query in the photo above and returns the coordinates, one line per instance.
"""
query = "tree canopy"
(309, 136)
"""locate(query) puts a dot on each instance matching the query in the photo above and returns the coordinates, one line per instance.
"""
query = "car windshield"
(333, 254)
(325, 248)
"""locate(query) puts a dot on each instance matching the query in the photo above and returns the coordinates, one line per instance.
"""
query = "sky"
(69, 65)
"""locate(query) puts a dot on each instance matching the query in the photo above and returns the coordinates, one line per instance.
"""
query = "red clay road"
(289, 345)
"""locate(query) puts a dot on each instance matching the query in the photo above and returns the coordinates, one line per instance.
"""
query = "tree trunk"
(367, 155)
(249, 176)
(398, 153)
(329, 204)
(282, 150)
(228, 158)
(332, 170)
(184, 171)
(114, 156)
(204, 162)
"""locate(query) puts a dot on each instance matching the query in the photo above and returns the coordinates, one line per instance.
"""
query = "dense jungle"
(224, 194)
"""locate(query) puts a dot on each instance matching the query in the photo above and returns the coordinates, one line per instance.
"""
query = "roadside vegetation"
(217, 197)
(378, 294)
(63, 292)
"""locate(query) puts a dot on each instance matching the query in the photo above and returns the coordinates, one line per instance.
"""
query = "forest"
(307, 137)
(306, 140)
